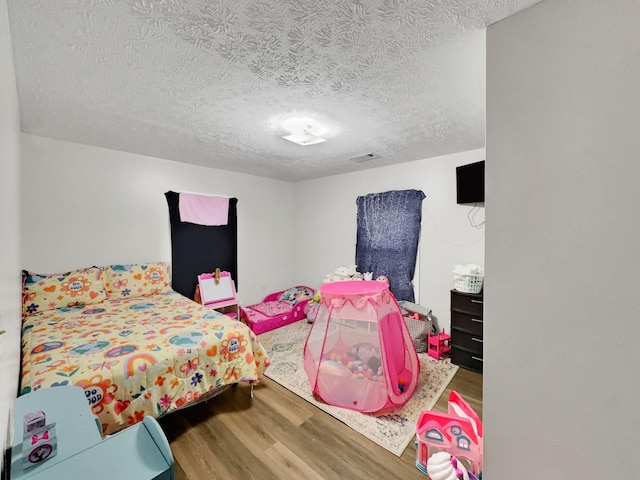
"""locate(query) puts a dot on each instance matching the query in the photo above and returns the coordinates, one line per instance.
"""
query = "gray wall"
(562, 242)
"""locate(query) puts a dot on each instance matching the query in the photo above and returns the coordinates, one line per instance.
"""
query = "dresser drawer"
(467, 302)
(467, 341)
(468, 323)
(468, 360)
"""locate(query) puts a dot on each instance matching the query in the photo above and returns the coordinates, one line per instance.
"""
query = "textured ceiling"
(209, 82)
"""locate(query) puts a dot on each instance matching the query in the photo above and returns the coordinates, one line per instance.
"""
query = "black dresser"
(466, 330)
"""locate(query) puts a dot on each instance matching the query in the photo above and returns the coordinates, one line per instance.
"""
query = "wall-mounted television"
(470, 183)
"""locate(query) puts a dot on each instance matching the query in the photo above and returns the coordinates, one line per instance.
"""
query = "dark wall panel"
(197, 249)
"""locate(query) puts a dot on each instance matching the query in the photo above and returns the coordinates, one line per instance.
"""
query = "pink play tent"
(359, 354)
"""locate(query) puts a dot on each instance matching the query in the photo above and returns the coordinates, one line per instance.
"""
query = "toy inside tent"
(359, 354)
(458, 432)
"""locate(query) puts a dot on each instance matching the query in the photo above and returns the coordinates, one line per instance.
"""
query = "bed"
(135, 346)
(278, 309)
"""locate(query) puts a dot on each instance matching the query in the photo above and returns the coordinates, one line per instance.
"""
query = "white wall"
(112, 207)
(325, 213)
(9, 232)
(562, 315)
(84, 206)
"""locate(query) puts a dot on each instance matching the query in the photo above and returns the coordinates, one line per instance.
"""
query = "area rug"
(394, 428)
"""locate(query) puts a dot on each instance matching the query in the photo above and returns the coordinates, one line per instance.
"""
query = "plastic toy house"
(359, 354)
(459, 433)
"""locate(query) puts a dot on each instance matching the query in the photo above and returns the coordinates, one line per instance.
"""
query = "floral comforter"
(140, 356)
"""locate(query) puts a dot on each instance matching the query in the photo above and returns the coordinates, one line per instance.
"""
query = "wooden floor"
(278, 435)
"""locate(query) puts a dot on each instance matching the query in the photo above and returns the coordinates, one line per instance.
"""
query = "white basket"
(468, 283)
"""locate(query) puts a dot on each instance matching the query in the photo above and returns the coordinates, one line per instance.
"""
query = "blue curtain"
(387, 237)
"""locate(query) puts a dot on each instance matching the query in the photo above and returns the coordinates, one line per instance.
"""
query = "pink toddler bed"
(278, 309)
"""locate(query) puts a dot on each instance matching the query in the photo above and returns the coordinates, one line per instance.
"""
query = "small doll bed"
(278, 309)
(134, 345)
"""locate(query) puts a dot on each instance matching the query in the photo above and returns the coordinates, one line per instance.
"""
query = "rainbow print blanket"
(138, 356)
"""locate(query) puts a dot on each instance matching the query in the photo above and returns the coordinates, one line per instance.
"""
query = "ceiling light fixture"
(304, 138)
(304, 131)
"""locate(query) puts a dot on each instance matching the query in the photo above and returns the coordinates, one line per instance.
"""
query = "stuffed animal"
(342, 274)
(367, 353)
(312, 306)
(353, 273)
